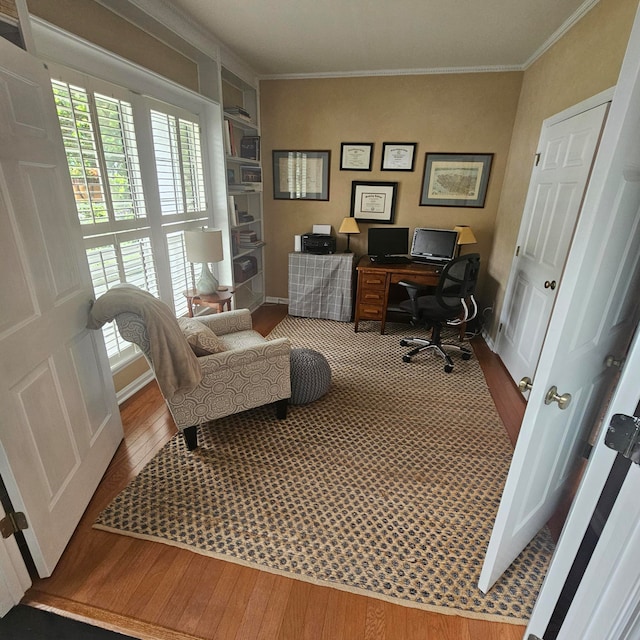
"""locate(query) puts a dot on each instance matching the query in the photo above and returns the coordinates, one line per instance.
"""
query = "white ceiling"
(335, 37)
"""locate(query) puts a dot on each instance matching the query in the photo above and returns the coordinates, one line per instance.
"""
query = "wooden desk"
(374, 281)
(216, 301)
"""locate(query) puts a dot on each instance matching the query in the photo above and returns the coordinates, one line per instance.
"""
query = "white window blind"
(125, 239)
(178, 159)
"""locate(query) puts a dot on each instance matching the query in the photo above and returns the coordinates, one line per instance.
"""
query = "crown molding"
(390, 72)
(577, 15)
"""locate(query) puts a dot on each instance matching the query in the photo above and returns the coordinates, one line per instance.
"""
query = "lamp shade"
(465, 235)
(349, 225)
(203, 245)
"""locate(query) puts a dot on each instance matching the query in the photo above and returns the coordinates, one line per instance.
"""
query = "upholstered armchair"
(244, 372)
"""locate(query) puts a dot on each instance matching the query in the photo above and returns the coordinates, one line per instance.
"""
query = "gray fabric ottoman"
(310, 376)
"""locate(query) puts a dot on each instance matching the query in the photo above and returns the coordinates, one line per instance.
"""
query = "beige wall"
(95, 23)
(442, 113)
(583, 63)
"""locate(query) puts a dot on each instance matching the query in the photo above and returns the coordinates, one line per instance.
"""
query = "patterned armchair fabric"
(250, 372)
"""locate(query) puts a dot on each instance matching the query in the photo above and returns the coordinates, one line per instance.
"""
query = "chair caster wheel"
(448, 368)
(466, 356)
(406, 358)
(404, 343)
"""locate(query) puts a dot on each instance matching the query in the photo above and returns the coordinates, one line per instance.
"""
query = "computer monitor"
(388, 241)
(434, 245)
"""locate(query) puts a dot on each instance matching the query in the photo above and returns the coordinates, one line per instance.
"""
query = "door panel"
(60, 422)
(555, 195)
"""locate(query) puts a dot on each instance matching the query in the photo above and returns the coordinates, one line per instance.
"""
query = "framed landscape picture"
(455, 179)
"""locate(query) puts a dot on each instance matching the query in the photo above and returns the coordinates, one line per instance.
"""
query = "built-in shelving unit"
(244, 185)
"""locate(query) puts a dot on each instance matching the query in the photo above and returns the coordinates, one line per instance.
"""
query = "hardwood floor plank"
(276, 607)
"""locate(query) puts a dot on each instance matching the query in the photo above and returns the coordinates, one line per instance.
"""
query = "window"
(134, 200)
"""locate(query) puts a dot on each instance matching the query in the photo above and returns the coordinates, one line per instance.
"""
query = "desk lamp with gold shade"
(205, 246)
(349, 226)
(465, 236)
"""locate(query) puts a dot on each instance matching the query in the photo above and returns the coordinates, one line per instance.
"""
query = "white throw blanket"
(174, 363)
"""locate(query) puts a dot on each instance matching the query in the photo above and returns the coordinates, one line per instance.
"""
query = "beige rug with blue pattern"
(387, 486)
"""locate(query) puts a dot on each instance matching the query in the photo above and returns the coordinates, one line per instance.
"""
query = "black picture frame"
(398, 156)
(301, 174)
(374, 201)
(455, 179)
(356, 156)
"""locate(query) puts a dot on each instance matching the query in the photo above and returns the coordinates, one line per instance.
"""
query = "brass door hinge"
(12, 523)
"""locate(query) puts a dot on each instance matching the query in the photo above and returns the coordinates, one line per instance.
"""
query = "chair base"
(421, 344)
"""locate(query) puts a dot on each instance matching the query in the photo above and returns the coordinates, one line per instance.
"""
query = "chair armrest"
(228, 321)
(240, 358)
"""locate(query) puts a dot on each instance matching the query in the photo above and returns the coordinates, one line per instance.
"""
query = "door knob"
(525, 384)
(552, 396)
(550, 285)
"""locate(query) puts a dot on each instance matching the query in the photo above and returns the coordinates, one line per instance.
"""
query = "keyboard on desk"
(390, 260)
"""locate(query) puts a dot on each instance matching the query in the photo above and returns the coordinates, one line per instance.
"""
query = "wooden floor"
(151, 590)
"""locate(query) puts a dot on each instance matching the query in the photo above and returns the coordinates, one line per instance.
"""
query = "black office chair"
(452, 304)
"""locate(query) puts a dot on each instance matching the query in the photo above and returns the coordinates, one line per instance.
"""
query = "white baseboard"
(133, 387)
(488, 340)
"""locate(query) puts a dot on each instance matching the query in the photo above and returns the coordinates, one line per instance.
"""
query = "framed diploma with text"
(356, 156)
(373, 201)
(398, 156)
(301, 175)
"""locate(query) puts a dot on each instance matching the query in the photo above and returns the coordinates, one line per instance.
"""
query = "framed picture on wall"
(398, 156)
(356, 156)
(301, 175)
(373, 201)
(455, 179)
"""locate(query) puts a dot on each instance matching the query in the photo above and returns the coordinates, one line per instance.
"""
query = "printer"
(320, 243)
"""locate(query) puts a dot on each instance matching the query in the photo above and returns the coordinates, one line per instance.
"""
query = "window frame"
(75, 61)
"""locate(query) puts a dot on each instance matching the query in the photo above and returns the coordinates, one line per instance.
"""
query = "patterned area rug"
(387, 486)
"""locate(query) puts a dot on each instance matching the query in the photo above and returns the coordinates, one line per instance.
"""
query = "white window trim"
(56, 45)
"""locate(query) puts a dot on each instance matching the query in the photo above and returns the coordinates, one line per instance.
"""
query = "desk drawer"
(369, 311)
(427, 280)
(372, 281)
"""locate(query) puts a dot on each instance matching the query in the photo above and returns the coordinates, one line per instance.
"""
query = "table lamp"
(348, 227)
(465, 236)
(204, 245)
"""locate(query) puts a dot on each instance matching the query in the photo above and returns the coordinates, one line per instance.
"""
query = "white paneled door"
(566, 151)
(593, 321)
(60, 424)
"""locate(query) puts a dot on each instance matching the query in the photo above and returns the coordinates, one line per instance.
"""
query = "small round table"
(216, 301)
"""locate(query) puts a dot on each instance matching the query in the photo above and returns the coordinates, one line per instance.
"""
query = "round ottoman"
(310, 376)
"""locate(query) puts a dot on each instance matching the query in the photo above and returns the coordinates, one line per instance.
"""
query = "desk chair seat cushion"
(310, 376)
(429, 307)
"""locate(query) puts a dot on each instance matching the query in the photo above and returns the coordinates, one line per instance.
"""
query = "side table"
(216, 301)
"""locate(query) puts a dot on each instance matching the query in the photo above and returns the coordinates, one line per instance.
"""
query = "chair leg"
(281, 408)
(190, 435)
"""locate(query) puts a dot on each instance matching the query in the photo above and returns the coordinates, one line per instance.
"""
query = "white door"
(60, 423)
(594, 316)
(566, 151)
(606, 604)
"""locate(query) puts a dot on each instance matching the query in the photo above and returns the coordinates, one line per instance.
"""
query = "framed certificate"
(301, 175)
(373, 201)
(398, 156)
(356, 156)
